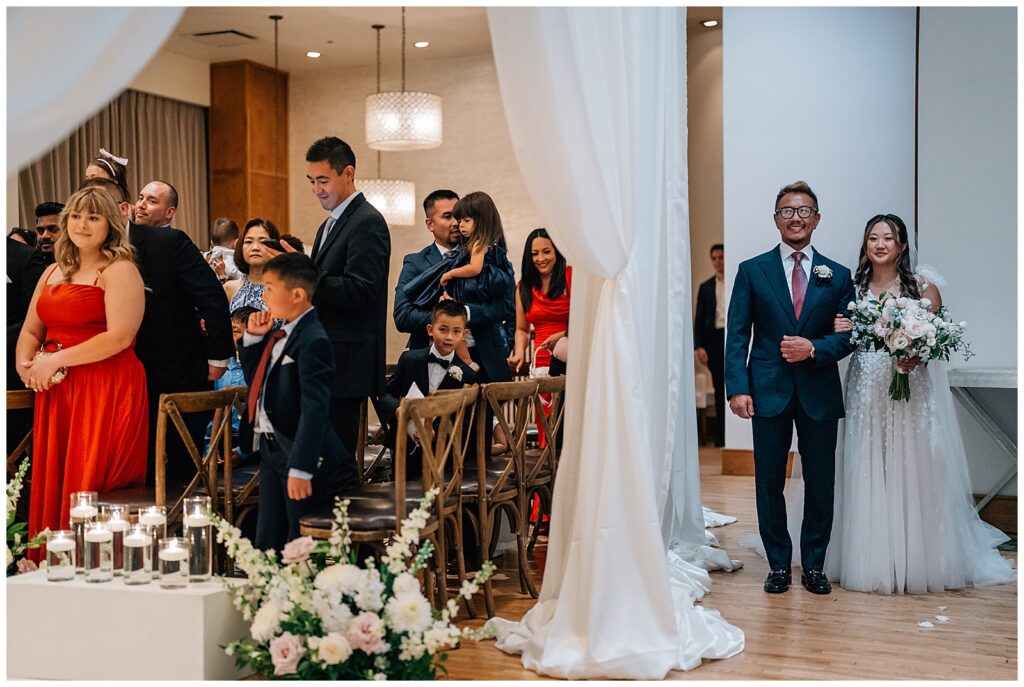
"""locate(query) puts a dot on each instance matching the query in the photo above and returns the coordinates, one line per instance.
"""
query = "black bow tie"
(431, 358)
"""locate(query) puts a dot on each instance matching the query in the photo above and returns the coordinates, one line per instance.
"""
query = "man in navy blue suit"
(790, 296)
(303, 463)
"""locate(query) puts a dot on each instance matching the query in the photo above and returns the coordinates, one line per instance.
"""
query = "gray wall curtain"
(161, 138)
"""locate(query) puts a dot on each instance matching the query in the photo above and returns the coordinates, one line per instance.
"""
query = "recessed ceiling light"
(421, 44)
(313, 53)
(710, 23)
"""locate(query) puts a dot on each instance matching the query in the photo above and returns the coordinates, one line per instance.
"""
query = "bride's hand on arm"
(842, 324)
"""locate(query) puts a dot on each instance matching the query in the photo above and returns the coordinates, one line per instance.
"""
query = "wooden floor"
(797, 635)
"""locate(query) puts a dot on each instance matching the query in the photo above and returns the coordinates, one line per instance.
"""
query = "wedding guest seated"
(221, 256)
(289, 369)
(251, 255)
(420, 372)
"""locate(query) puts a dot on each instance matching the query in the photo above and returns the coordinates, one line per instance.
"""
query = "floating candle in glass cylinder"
(99, 554)
(116, 515)
(155, 517)
(83, 511)
(197, 529)
(174, 555)
(138, 555)
(60, 555)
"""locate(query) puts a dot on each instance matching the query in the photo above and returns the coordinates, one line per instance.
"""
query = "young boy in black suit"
(289, 371)
(430, 369)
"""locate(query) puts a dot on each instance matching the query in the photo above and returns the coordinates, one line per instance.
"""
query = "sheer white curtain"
(596, 107)
(65, 63)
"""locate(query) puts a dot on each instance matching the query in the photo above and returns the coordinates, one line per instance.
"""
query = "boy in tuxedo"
(429, 369)
(289, 371)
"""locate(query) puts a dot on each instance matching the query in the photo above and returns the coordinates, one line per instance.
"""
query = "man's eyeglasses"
(53, 229)
(804, 211)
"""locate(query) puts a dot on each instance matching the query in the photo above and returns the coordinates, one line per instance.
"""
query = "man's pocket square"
(287, 360)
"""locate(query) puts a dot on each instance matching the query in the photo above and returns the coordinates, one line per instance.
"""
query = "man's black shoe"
(815, 582)
(778, 581)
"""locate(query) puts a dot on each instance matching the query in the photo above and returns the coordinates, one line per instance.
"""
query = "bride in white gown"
(904, 516)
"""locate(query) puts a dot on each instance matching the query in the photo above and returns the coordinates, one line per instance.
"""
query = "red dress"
(91, 430)
(548, 316)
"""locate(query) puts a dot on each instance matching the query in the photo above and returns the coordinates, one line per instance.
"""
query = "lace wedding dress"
(904, 514)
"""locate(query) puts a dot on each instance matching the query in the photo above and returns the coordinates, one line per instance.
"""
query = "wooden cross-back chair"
(20, 400)
(497, 485)
(242, 497)
(541, 464)
(172, 408)
(370, 442)
(376, 510)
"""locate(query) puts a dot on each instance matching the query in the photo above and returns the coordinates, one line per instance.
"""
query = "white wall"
(968, 195)
(175, 76)
(824, 95)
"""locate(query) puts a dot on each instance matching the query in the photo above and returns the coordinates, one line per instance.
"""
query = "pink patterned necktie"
(799, 283)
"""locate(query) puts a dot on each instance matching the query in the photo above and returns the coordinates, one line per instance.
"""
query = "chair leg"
(442, 565)
(460, 559)
(543, 508)
(484, 540)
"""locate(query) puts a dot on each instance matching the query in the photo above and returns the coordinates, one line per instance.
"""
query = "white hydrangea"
(371, 588)
(411, 648)
(267, 622)
(335, 615)
(408, 612)
(334, 649)
(344, 578)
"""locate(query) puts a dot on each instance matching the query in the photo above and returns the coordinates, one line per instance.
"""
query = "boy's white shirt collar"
(448, 357)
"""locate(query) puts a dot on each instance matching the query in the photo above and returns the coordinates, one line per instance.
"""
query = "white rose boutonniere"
(823, 272)
(455, 372)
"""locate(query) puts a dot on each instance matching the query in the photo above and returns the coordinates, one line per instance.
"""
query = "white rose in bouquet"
(914, 328)
(334, 649)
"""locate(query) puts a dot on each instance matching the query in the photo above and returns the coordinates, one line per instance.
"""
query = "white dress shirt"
(435, 372)
(788, 263)
(336, 214)
(262, 424)
(719, 302)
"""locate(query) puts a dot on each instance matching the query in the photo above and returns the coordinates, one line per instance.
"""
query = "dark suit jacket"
(171, 342)
(704, 316)
(760, 300)
(352, 297)
(485, 319)
(412, 367)
(24, 267)
(297, 396)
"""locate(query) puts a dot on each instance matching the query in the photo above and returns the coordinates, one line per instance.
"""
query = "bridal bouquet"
(318, 616)
(17, 542)
(906, 328)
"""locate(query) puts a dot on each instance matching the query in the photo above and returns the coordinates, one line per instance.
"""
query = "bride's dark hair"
(904, 268)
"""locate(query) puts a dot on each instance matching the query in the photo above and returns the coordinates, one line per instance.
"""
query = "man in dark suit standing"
(709, 335)
(352, 250)
(24, 267)
(185, 339)
(790, 377)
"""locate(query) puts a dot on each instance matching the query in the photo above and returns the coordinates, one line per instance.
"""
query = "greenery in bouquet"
(17, 532)
(906, 329)
(317, 615)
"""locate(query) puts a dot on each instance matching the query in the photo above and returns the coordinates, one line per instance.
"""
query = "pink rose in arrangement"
(366, 633)
(297, 550)
(285, 653)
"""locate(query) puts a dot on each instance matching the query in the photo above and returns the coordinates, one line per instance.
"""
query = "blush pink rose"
(366, 633)
(297, 550)
(285, 653)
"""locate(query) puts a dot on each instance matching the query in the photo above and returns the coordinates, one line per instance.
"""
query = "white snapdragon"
(371, 588)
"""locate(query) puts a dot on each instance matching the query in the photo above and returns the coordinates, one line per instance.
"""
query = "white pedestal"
(111, 631)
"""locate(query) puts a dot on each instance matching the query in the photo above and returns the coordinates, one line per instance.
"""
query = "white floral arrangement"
(455, 372)
(319, 616)
(906, 328)
(823, 272)
(17, 541)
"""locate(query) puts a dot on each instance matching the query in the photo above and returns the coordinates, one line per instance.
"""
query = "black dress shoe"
(815, 582)
(778, 581)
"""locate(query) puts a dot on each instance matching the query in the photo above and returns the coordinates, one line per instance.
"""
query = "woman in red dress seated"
(90, 430)
(542, 301)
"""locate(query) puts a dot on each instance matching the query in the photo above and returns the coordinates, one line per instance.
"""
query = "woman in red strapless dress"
(542, 301)
(90, 430)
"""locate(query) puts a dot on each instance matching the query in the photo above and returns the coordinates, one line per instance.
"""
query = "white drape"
(65, 63)
(596, 107)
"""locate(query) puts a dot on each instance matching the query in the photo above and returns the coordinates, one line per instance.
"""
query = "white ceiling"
(342, 35)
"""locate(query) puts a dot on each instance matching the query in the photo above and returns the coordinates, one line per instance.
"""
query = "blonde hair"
(116, 246)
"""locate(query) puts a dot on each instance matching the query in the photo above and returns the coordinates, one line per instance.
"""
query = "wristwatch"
(812, 350)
